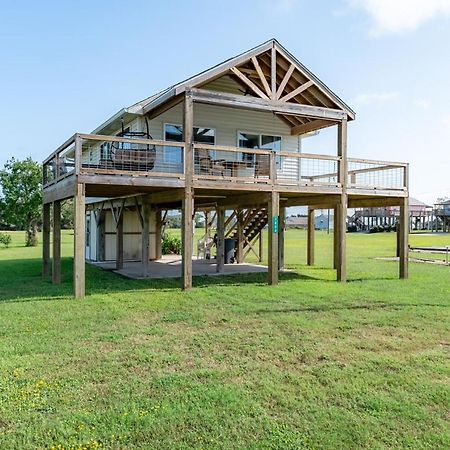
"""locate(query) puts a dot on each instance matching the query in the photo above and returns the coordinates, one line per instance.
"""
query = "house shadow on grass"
(21, 280)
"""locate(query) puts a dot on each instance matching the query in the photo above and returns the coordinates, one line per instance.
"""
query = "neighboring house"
(442, 216)
(299, 222)
(420, 215)
(321, 221)
(229, 138)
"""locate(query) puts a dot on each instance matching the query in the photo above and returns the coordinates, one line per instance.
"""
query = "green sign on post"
(275, 224)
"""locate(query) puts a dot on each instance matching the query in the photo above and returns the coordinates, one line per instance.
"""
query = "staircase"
(253, 222)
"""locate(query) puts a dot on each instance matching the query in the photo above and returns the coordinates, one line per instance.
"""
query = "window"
(174, 133)
(251, 140)
(201, 135)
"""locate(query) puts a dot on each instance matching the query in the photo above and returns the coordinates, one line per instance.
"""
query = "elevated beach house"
(227, 139)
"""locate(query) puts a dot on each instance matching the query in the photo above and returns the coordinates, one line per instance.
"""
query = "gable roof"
(294, 81)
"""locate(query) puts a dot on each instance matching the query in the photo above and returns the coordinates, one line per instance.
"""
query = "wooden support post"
(260, 258)
(187, 213)
(341, 219)
(404, 235)
(397, 234)
(56, 261)
(281, 227)
(240, 237)
(46, 239)
(119, 242)
(220, 239)
(187, 232)
(335, 237)
(311, 233)
(79, 241)
(273, 218)
(158, 235)
(146, 209)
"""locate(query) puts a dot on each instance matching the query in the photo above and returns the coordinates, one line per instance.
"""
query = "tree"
(21, 196)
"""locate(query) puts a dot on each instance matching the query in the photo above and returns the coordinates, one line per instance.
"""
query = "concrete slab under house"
(227, 143)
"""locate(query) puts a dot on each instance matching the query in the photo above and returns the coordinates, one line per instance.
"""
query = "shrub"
(5, 239)
(171, 245)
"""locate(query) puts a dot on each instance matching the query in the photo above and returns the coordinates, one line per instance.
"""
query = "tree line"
(21, 199)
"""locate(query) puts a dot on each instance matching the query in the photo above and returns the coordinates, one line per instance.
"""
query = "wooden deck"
(148, 166)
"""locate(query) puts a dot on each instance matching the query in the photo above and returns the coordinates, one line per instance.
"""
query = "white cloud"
(399, 16)
(375, 98)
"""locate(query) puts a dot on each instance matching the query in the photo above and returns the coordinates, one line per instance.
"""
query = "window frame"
(260, 135)
(181, 126)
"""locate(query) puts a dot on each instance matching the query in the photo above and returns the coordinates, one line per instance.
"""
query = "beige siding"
(132, 241)
(227, 122)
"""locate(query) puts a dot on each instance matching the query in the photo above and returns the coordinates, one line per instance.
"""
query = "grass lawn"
(232, 364)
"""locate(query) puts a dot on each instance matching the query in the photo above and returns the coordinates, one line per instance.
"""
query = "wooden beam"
(62, 190)
(273, 219)
(404, 238)
(310, 238)
(273, 72)
(167, 196)
(297, 91)
(284, 81)
(244, 200)
(46, 240)
(319, 201)
(259, 104)
(56, 269)
(79, 241)
(311, 126)
(374, 202)
(220, 239)
(249, 83)
(262, 76)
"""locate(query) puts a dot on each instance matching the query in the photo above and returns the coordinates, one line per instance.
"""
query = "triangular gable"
(267, 71)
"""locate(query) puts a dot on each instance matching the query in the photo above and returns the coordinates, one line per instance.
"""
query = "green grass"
(232, 364)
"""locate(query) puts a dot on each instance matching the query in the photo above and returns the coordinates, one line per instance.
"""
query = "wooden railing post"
(78, 153)
(272, 167)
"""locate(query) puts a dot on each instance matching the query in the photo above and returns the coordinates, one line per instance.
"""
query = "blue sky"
(68, 66)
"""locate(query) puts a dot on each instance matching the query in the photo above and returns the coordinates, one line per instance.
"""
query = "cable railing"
(137, 156)
(121, 155)
(371, 174)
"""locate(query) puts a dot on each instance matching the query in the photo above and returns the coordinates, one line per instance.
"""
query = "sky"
(68, 66)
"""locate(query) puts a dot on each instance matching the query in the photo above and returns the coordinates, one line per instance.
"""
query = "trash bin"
(230, 245)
